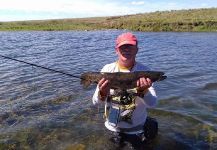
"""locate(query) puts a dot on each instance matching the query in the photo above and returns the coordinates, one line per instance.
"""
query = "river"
(40, 109)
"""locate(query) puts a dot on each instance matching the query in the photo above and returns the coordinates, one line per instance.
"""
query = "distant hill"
(175, 20)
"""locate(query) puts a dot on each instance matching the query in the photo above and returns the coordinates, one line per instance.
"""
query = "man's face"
(127, 52)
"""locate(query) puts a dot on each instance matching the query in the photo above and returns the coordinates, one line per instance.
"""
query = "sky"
(18, 10)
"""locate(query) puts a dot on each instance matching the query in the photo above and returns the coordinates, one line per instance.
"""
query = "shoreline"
(193, 20)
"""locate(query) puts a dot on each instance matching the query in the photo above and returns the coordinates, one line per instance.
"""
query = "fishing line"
(46, 68)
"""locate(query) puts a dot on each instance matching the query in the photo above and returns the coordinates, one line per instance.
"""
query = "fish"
(120, 80)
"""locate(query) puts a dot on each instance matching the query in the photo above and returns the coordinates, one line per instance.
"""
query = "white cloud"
(138, 3)
(204, 4)
(82, 8)
(55, 6)
(42, 9)
(28, 5)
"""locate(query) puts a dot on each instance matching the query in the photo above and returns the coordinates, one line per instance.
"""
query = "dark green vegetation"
(180, 20)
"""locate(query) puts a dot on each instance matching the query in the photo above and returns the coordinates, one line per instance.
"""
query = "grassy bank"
(180, 20)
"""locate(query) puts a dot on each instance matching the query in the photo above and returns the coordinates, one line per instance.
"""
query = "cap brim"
(126, 42)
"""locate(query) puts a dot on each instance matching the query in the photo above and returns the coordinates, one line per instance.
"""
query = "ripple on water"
(188, 130)
(34, 114)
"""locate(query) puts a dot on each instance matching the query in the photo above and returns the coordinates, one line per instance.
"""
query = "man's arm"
(102, 91)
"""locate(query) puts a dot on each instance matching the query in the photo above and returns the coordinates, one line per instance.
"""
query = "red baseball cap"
(126, 38)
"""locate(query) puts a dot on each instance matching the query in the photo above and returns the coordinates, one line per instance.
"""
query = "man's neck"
(126, 65)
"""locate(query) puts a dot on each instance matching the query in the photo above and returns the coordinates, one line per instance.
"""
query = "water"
(40, 109)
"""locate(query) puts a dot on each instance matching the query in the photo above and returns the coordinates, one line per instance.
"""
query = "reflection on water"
(44, 110)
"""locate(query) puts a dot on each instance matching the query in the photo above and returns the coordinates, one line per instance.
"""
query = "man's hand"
(104, 88)
(143, 84)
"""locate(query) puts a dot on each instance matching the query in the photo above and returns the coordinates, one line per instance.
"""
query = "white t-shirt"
(139, 114)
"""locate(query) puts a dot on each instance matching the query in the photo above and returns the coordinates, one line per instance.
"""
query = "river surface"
(40, 109)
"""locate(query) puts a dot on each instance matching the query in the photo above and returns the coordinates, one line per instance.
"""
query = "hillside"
(175, 20)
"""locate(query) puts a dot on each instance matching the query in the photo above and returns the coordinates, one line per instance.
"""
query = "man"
(128, 119)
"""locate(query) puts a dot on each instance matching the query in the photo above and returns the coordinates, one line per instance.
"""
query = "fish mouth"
(162, 78)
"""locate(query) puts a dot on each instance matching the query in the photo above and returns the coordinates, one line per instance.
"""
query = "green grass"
(175, 20)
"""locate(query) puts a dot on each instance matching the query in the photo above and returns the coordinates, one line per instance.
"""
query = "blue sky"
(13, 10)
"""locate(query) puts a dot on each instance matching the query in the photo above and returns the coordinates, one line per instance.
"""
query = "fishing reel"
(123, 96)
(126, 98)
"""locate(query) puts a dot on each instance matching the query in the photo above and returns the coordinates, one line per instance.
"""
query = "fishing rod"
(46, 68)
